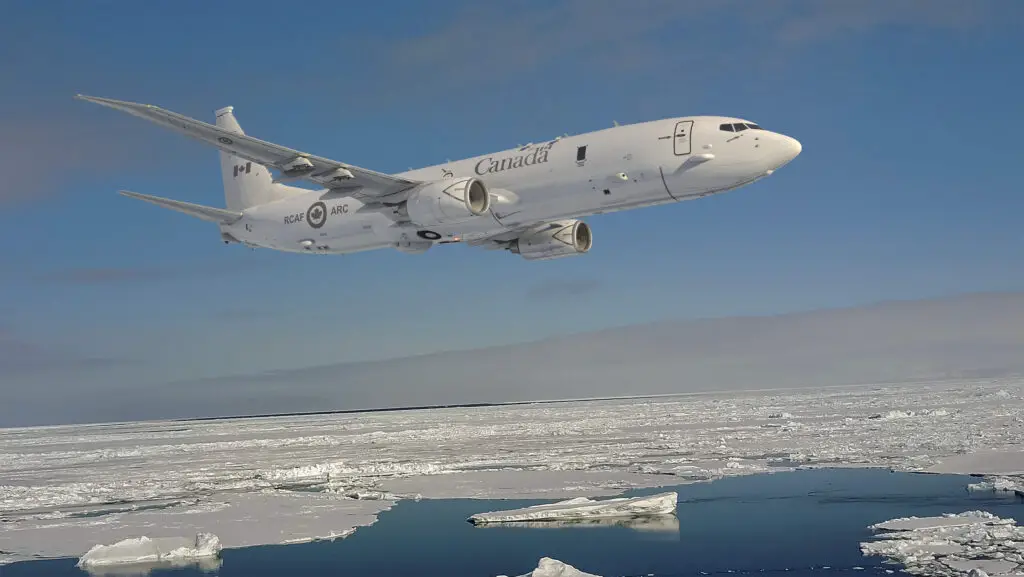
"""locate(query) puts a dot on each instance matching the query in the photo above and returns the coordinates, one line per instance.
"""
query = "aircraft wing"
(340, 177)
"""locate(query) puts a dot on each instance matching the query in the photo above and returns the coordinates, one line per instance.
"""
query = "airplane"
(527, 200)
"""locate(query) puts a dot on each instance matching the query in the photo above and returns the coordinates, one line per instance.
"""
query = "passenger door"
(681, 137)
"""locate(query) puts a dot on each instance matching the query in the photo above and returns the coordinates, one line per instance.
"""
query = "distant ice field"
(286, 479)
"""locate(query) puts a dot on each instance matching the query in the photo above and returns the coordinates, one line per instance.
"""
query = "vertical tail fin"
(247, 184)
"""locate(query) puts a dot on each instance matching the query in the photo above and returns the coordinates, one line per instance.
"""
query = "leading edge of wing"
(368, 182)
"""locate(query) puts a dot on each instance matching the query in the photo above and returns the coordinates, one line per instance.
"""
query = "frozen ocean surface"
(800, 524)
(65, 489)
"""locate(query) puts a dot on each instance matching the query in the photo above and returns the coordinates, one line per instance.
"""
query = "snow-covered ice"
(66, 488)
(584, 508)
(973, 543)
(146, 550)
(548, 567)
(998, 484)
(667, 525)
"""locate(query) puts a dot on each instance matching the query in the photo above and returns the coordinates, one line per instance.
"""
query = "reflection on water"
(205, 565)
(659, 523)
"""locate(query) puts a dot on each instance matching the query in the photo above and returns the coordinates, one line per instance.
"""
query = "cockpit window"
(739, 126)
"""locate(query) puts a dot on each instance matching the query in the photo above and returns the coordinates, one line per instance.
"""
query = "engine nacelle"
(554, 240)
(448, 201)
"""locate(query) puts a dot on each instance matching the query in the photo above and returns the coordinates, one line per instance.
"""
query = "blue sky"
(908, 185)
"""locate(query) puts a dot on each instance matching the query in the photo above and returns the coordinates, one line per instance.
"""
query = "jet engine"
(447, 201)
(553, 240)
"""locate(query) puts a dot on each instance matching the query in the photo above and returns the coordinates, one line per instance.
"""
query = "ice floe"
(1011, 485)
(145, 550)
(974, 543)
(582, 508)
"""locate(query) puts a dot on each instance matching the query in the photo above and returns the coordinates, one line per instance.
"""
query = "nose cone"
(791, 147)
(782, 150)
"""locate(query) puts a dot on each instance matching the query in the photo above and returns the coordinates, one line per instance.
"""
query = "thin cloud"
(122, 275)
(819, 21)
(563, 289)
(244, 314)
(88, 276)
(44, 149)
(500, 42)
(19, 356)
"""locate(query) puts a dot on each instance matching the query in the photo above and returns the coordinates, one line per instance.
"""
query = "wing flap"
(207, 213)
(293, 164)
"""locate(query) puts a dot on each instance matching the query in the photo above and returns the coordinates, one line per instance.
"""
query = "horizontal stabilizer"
(207, 213)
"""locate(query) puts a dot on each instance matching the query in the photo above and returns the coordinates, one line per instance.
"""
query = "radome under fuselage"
(622, 167)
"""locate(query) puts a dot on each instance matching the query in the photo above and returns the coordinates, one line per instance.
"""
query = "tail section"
(246, 183)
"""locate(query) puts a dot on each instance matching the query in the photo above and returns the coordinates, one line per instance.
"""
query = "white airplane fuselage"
(622, 167)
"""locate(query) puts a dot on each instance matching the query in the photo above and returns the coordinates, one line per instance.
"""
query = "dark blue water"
(802, 523)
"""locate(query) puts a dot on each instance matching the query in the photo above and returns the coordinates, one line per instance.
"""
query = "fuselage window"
(581, 154)
(726, 127)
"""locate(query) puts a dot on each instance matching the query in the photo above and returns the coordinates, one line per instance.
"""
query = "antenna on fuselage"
(615, 122)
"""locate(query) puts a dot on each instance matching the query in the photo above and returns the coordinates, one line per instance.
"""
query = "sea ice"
(974, 543)
(67, 487)
(140, 550)
(986, 460)
(584, 508)
(239, 520)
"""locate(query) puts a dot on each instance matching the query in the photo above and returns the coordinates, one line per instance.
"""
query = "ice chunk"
(951, 520)
(584, 508)
(329, 537)
(141, 550)
(548, 567)
(999, 485)
(974, 544)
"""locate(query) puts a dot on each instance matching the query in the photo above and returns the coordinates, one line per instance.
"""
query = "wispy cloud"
(86, 276)
(820, 21)
(491, 42)
(43, 149)
(19, 356)
(245, 314)
(486, 40)
(121, 275)
(562, 289)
